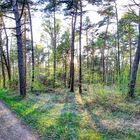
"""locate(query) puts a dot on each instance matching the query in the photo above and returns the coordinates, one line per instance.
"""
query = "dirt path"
(11, 127)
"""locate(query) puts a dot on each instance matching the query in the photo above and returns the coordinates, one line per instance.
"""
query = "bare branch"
(136, 3)
(22, 10)
(14, 27)
(8, 17)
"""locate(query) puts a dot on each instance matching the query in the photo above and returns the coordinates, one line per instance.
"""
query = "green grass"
(103, 114)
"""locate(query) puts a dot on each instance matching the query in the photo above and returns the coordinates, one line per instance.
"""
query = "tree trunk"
(116, 61)
(103, 65)
(135, 67)
(72, 55)
(19, 49)
(7, 54)
(48, 63)
(103, 53)
(118, 39)
(80, 45)
(3, 72)
(130, 51)
(87, 50)
(65, 69)
(1, 58)
(92, 67)
(54, 51)
(32, 45)
(24, 45)
(69, 82)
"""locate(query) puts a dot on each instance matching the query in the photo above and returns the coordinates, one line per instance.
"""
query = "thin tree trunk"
(92, 67)
(118, 39)
(65, 69)
(3, 72)
(116, 61)
(72, 55)
(54, 51)
(69, 82)
(87, 51)
(130, 50)
(7, 54)
(24, 43)
(19, 49)
(80, 45)
(103, 52)
(1, 58)
(103, 66)
(48, 63)
(32, 46)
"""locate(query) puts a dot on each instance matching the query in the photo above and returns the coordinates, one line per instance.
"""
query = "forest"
(69, 70)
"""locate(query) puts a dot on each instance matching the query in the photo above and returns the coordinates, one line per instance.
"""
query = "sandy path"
(11, 127)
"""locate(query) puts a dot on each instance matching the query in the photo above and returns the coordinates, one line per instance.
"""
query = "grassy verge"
(55, 116)
(96, 115)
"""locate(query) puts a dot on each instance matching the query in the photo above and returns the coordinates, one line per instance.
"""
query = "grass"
(99, 114)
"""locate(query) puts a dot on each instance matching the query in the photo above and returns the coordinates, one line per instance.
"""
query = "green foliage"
(14, 84)
(40, 54)
(90, 135)
(38, 85)
(130, 17)
(123, 79)
(64, 48)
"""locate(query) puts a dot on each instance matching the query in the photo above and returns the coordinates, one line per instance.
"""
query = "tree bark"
(80, 45)
(65, 68)
(69, 82)
(87, 49)
(135, 67)
(72, 55)
(54, 51)
(48, 63)
(3, 72)
(24, 43)
(103, 52)
(7, 54)
(21, 69)
(130, 50)
(32, 46)
(118, 39)
(1, 58)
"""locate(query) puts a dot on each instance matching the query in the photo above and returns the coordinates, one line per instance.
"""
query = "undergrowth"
(104, 114)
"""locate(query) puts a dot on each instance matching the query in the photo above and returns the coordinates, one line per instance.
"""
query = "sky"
(37, 19)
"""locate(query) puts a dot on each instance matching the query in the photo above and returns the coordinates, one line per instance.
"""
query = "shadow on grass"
(54, 118)
(57, 117)
(109, 131)
(67, 124)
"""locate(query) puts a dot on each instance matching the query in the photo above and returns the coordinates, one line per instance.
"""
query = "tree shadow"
(67, 125)
(110, 131)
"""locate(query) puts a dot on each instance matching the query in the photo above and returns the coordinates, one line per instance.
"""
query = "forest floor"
(62, 115)
(11, 127)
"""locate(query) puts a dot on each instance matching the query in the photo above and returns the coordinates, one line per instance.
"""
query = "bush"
(38, 86)
(14, 84)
